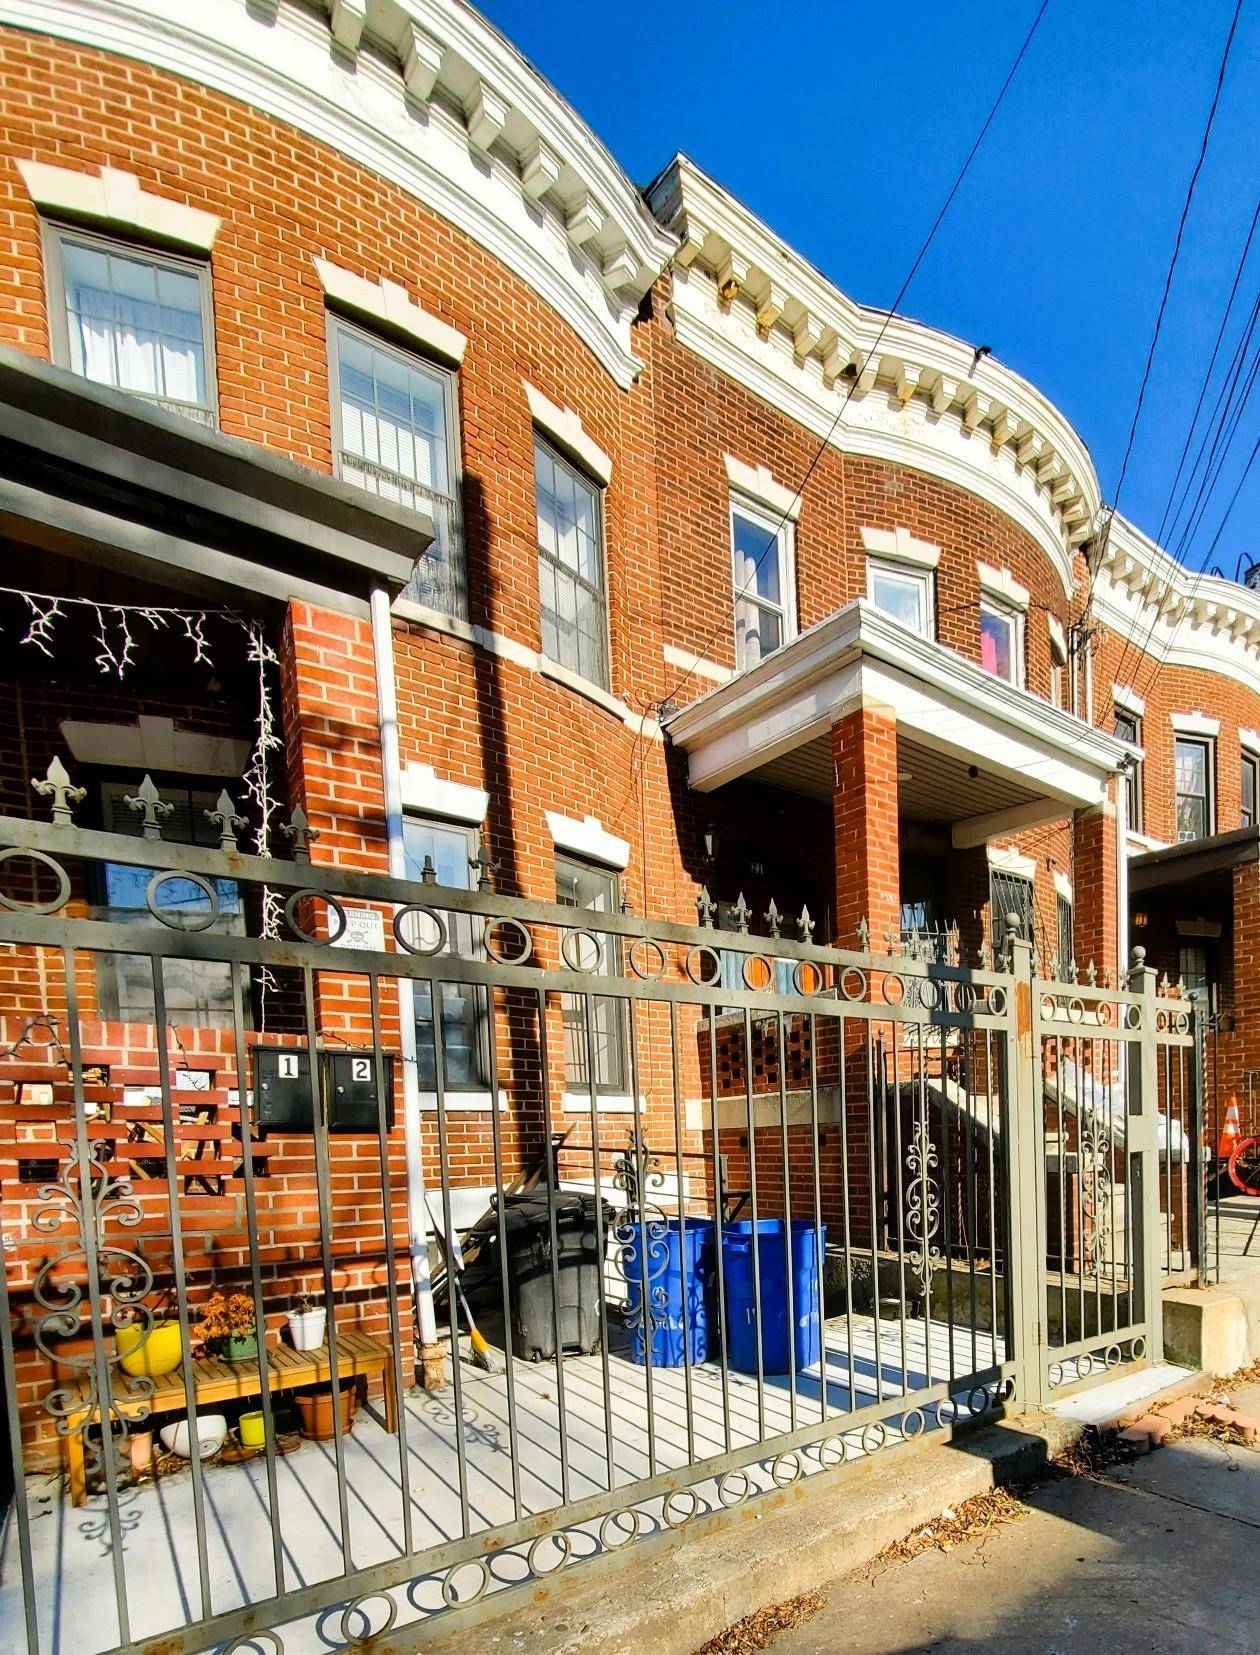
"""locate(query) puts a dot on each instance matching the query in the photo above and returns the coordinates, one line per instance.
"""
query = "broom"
(484, 1354)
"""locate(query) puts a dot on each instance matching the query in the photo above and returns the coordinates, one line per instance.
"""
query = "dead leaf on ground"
(760, 1630)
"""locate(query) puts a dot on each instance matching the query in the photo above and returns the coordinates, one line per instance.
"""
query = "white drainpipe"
(391, 771)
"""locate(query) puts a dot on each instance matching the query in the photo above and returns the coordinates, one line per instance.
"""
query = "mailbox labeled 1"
(282, 1089)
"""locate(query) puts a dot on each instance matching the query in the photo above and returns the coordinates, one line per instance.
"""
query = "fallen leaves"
(974, 1519)
(759, 1630)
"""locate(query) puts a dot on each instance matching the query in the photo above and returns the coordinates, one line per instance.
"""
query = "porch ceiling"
(1031, 761)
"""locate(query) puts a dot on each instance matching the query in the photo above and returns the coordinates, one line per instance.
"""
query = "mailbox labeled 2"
(351, 1091)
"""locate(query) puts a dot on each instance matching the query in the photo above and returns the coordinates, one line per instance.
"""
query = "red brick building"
(315, 313)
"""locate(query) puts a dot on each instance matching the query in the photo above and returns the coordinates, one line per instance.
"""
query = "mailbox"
(282, 1090)
(350, 1090)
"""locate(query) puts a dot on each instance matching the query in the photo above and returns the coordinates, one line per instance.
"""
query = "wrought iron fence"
(814, 1227)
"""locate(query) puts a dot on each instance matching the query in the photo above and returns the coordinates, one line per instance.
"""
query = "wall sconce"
(1140, 920)
(712, 840)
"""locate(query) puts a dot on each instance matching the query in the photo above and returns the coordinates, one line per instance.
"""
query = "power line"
(856, 380)
(1163, 303)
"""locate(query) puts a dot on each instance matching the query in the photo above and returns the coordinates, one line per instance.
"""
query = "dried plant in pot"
(308, 1323)
(228, 1324)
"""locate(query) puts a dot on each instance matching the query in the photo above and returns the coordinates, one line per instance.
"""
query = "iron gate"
(814, 1225)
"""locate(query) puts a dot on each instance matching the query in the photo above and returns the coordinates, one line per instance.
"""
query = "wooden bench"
(358, 1357)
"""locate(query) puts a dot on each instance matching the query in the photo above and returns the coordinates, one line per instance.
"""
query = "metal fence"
(845, 1201)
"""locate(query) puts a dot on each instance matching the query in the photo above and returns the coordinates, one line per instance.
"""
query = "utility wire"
(856, 380)
(1163, 303)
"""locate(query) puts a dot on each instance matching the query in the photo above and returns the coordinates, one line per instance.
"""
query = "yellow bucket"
(150, 1355)
(253, 1432)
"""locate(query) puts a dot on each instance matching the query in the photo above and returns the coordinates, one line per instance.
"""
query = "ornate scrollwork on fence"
(641, 1227)
(86, 1201)
(1096, 1192)
(923, 1204)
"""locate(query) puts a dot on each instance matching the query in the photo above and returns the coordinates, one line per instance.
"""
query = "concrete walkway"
(1154, 1558)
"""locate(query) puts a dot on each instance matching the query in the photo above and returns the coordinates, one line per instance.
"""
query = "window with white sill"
(571, 580)
(761, 582)
(396, 435)
(1128, 726)
(1194, 789)
(1001, 642)
(134, 319)
(905, 593)
(464, 1029)
(595, 1026)
(1250, 789)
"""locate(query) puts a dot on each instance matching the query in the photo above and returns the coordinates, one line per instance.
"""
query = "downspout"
(1122, 870)
(428, 1352)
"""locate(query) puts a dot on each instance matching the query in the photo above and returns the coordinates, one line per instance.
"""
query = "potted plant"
(315, 1405)
(307, 1323)
(229, 1324)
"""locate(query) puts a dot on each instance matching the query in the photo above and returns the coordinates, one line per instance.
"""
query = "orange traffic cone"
(1231, 1127)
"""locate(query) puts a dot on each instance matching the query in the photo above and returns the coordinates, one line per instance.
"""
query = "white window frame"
(1016, 619)
(1208, 744)
(558, 458)
(337, 324)
(1249, 765)
(576, 1099)
(783, 530)
(910, 575)
(1132, 779)
(56, 234)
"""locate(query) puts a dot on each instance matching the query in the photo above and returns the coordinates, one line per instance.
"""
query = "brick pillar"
(864, 755)
(1094, 915)
(1238, 1047)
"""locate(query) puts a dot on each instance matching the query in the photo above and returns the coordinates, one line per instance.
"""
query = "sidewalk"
(1155, 1557)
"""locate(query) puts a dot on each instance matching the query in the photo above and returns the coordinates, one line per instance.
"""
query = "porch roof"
(973, 750)
(97, 474)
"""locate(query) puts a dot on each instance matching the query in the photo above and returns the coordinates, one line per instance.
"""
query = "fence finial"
(740, 913)
(302, 835)
(773, 918)
(485, 867)
(428, 873)
(58, 786)
(705, 907)
(150, 806)
(230, 824)
(864, 936)
(805, 925)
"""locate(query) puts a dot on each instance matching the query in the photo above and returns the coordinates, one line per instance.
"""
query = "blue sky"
(843, 125)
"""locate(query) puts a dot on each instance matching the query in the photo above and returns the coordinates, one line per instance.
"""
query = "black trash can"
(581, 1240)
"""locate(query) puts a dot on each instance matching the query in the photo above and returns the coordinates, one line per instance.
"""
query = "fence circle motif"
(612, 1536)
(995, 1000)
(756, 973)
(1054, 1375)
(832, 1451)
(920, 1417)
(880, 1431)
(1181, 1022)
(295, 925)
(1105, 1012)
(930, 994)
(426, 950)
(174, 920)
(942, 1418)
(691, 966)
(456, 1600)
(1084, 1364)
(890, 999)
(1111, 1356)
(639, 945)
(1004, 1390)
(496, 950)
(562, 1543)
(786, 1468)
(855, 973)
(965, 997)
(63, 883)
(984, 1402)
(1133, 1017)
(724, 1493)
(254, 1641)
(1137, 1348)
(581, 950)
(807, 979)
(672, 1520)
(355, 1607)
(1076, 1009)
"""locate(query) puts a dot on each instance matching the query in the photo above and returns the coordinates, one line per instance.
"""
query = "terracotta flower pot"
(315, 1406)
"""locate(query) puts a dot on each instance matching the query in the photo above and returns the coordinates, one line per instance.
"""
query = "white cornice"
(832, 340)
(412, 100)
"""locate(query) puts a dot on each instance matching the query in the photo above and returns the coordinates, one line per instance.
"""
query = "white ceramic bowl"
(211, 1431)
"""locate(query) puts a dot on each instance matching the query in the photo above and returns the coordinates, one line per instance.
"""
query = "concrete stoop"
(1216, 1329)
(672, 1593)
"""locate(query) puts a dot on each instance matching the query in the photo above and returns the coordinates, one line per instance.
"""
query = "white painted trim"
(758, 483)
(1002, 585)
(588, 838)
(1249, 740)
(900, 546)
(1063, 886)
(1008, 860)
(783, 531)
(427, 794)
(1139, 843)
(1127, 698)
(1195, 724)
(565, 428)
(387, 302)
(117, 199)
(155, 744)
(615, 1103)
(1058, 639)
(461, 1102)
(695, 665)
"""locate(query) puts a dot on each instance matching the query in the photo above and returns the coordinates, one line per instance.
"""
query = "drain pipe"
(428, 1351)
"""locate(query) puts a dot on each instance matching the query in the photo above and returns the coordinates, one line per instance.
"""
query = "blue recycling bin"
(676, 1312)
(741, 1305)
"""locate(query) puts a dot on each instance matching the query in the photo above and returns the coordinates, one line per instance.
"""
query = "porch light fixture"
(1140, 921)
(711, 842)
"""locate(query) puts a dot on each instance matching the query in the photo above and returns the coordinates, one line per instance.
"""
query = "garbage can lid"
(529, 1212)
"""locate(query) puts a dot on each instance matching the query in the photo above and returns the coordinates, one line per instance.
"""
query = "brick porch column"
(864, 800)
(1094, 913)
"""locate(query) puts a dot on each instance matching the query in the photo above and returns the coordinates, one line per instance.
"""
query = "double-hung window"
(1250, 790)
(1067, 951)
(134, 319)
(1001, 640)
(761, 581)
(395, 429)
(464, 1030)
(572, 591)
(593, 890)
(1194, 788)
(904, 593)
(1128, 726)
(1010, 893)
